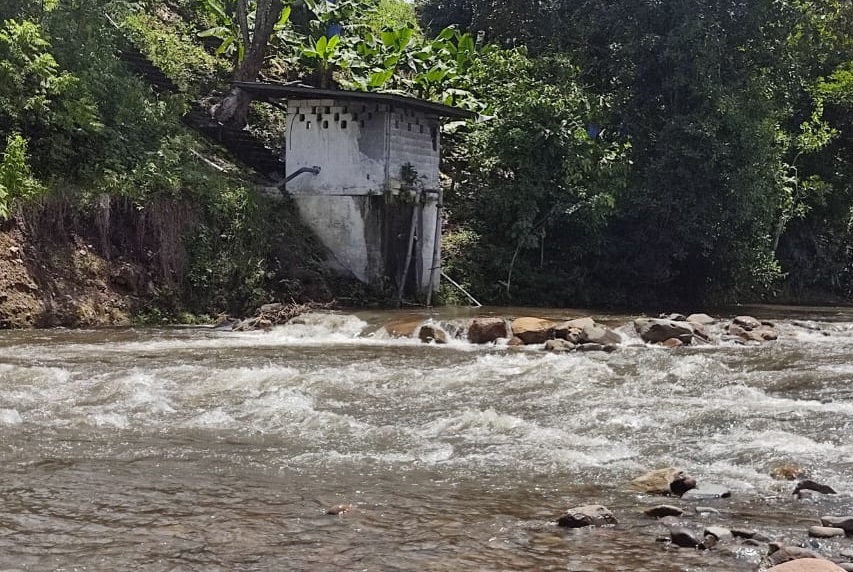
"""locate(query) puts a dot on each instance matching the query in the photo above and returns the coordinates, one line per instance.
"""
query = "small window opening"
(344, 124)
(301, 117)
(325, 125)
(337, 117)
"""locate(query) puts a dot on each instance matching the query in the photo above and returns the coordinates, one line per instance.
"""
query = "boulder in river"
(668, 481)
(703, 319)
(572, 330)
(589, 515)
(654, 331)
(746, 322)
(533, 330)
(807, 565)
(432, 333)
(843, 522)
(672, 343)
(487, 330)
(825, 532)
(810, 485)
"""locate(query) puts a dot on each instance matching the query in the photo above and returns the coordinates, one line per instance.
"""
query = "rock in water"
(703, 319)
(825, 532)
(746, 322)
(533, 330)
(655, 330)
(788, 472)
(807, 565)
(431, 333)
(663, 510)
(780, 553)
(670, 480)
(810, 485)
(685, 538)
(559, 345)
(845, 523)
(589, 515)
(339, 509)
(487, 330)
(718, 532)
(707, 491)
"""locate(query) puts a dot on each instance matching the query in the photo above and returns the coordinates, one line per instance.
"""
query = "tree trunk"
(234, 107)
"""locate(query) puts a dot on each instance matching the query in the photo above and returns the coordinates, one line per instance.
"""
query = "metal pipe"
(313, 170)
(435, 267)
(464, 291)
(402, 286)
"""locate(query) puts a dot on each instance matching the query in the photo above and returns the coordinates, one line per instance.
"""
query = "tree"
(253, 37)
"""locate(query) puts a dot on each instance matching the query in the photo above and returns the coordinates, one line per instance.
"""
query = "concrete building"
(363, 169)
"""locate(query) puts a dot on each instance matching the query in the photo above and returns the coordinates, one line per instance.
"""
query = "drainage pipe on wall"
(435, 267)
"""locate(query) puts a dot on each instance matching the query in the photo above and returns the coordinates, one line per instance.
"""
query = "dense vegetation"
(627, 153)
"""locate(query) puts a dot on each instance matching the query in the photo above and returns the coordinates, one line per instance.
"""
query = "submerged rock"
(788, 472)
(533, 330)
(339, 509)
(487, 330)
(663, 510)
(559, 345)
(707, 491)
(685, 538)
(589, 515)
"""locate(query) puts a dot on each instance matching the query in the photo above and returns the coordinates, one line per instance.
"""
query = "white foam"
(10, 417)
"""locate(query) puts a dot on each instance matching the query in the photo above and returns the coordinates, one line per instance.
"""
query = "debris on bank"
(269, 315)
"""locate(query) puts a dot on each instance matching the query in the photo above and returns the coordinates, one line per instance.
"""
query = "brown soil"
(62, 283)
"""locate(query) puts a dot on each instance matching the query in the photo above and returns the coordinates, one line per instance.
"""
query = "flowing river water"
(192, 449)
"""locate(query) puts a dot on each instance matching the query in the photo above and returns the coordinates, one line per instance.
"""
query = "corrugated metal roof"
(263, 90)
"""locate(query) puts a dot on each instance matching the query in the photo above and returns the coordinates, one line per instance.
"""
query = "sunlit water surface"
(190, 449)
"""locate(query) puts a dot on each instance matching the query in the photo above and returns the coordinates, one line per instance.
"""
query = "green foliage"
(532, 172)
(16, 178)
(389, 15)
(49, 106)
(171, 47)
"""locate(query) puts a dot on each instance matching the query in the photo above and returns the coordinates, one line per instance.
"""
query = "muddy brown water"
(189, 449)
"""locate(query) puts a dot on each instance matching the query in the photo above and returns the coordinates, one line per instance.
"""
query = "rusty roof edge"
(286, 91)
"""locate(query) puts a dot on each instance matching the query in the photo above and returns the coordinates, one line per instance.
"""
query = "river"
(192, 449)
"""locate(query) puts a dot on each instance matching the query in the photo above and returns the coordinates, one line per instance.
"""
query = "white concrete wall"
(347, 141)
(361, 150)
